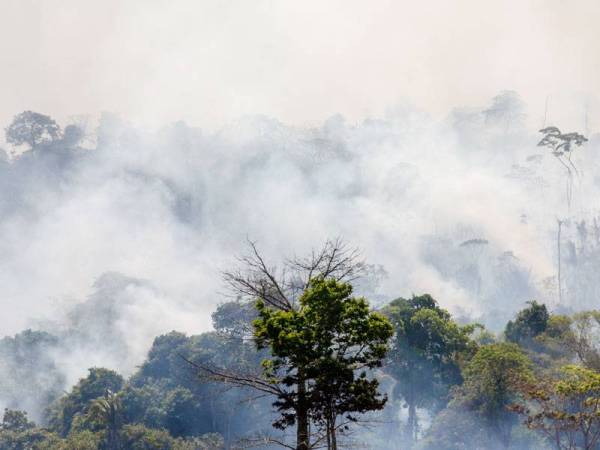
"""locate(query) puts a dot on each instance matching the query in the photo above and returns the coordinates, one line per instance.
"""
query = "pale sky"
(212, 61)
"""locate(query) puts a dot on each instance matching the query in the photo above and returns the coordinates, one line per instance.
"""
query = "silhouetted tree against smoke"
(73, 135)
(474, 248)
(507, 110)
(562, 146)
(30, 375)
(33, 129)
(281, 288)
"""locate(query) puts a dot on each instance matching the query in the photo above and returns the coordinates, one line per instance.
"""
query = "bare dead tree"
(280, 288)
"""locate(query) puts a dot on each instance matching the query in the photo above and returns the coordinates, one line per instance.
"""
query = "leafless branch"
(280, 289)
(222, 375)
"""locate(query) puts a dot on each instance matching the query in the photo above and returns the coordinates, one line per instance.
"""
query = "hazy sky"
(210, 61)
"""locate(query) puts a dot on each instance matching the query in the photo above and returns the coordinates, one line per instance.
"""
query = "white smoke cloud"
(152, 218)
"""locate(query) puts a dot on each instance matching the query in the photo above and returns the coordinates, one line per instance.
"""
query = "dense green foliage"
(320, 353)
(538, 389)
(530, 322)
(426, 354)
(76, 403)
(490, 386)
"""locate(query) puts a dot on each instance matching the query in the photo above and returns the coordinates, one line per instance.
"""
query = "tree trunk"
(333, 436)
(331, 429)
(302, 415)
(302, 432)
(412, 421)
(328, 433)
(559, 263)
(113, 439)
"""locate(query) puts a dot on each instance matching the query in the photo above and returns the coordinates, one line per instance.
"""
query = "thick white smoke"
(116, 244)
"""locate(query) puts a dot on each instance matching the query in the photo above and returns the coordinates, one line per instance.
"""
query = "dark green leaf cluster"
(529, 323)
(327, 344)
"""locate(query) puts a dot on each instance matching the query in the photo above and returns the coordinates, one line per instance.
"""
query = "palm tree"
(106, 412)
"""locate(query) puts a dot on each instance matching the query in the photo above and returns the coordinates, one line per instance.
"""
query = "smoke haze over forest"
(411, 132)
(141, 225)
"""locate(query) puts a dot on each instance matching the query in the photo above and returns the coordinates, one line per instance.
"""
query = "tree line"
(297, 350)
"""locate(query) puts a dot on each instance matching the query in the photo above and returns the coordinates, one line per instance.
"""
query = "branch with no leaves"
(280, 289)
(222, 375)
(335, 260)
(255, 280)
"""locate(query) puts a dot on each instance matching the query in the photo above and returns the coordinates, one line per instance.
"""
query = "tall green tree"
(491, 384)
(285, 297)
(427, 349)
(529, 323)
(320, 354)
(106, 414)
(562, 146)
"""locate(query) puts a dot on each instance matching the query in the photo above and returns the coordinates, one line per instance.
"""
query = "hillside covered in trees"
(442, 384)
(468, 319)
